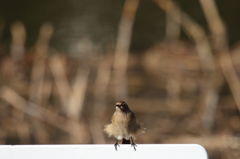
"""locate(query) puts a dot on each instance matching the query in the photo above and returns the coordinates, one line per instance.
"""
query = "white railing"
(144, 151)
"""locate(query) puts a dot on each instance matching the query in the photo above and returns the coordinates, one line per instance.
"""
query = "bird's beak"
(117, 107)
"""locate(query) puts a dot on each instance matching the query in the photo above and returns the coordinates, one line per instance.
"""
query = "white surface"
(144, 151)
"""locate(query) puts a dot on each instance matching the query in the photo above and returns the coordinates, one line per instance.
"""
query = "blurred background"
(63, 65)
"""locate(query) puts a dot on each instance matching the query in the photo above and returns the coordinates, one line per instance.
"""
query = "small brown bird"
(124, 125)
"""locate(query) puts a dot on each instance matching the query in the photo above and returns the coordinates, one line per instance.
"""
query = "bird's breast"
(120, 118)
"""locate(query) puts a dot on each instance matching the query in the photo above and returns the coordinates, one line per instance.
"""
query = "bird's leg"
(132, 143)
(116, 145)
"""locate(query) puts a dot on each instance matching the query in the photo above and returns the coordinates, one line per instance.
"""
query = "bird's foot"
(116, 145)
(134, 146)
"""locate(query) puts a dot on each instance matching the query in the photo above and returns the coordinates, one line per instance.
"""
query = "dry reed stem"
(17, 47)
(214, 81)
(44, 37)
(215, 24)
(193, 30)
(37, 79)
(173, 28)
(122, 48)
(47, 87)
(72, 127)
(59, 74)
(17, 50)
(36, 90)
(210, 103)
(38, 70)
(71, 97)
(221, 46)
(77, 95)
(100, 96)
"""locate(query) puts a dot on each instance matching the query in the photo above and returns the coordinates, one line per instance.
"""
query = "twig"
(122, 48)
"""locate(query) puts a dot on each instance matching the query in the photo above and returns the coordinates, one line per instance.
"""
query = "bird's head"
(122, 106)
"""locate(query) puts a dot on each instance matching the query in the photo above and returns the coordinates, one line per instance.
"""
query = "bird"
(124, 125)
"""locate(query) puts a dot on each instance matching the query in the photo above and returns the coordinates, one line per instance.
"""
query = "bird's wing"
(133, 125)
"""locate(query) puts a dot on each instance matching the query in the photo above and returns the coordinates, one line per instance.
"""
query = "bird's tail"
(124, 141)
